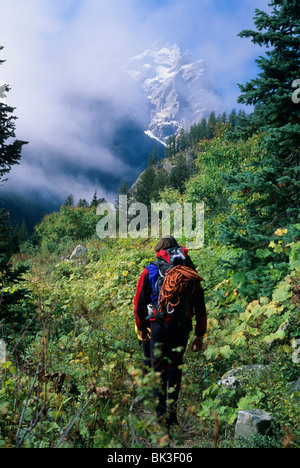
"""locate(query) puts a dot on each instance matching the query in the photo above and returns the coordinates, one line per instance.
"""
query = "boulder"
(2, 352)
(253, 421)
(235, 377)
(78, 252)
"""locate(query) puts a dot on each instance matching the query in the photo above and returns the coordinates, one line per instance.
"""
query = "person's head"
(166, 243)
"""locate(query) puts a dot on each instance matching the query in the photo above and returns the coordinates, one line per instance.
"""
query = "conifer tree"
(161, 180)
(146, 186)
(179, 173)
(232, 120)
(224, 117)
(10, 148)
(202, 129)
(182, 141)
(82, 203)
(124, 189)
(96, 201)
(22, 233)
(211, 124)
(268, 190)
(271, 90)
(69, 201)
(10, 154)
(168, 150)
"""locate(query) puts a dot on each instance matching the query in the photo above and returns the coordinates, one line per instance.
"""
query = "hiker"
(169, 314)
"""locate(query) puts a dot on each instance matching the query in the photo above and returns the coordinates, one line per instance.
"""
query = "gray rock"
(78, 252)
(253, 421)
(235, 377)
(2, 352)
(294, 386)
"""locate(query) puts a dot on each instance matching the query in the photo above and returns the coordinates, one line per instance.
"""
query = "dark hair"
(166, 243)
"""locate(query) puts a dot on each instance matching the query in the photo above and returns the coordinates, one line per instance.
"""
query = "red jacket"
(143, 298)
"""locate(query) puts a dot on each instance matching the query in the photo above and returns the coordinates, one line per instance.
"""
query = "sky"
(61, 53)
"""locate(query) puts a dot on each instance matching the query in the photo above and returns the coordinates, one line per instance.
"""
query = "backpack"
(171, 306)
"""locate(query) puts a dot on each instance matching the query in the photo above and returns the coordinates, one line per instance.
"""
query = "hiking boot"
(172, 420)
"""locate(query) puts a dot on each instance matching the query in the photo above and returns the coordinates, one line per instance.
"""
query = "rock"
(253, 421)
(78, 252)
(296, 353)
(2, 352)
(294, 386)
(235, 377)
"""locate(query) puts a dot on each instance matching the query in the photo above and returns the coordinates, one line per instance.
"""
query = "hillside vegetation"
(74, 362)
(72, 376)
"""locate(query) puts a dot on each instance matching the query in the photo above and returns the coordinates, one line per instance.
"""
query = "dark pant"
(167, 346)
(146, 352)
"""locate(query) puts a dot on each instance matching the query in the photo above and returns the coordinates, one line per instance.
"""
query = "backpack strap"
(157, 272)
(153, 270)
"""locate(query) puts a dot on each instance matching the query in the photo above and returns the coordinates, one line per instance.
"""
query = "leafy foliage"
(73, 370)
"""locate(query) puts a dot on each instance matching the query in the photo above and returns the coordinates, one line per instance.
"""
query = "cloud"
(66, 59)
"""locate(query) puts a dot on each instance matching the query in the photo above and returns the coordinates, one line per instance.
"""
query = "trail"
(152, 435)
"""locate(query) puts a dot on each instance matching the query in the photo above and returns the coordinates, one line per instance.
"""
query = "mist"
(66, 67)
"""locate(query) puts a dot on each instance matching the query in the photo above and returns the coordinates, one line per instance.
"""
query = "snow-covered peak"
(177, 88)
(161, 52)
(158, 62)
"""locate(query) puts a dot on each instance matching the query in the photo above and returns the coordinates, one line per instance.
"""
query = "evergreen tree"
(124, 189)
(192, 136)
(241, 119)
(232, 120)
(161, 180)
(152, 160)
(82, 203)
(179, 174)
(10, 148)
(182, 141)
(211, 125)
(272, 89)
(170, 149)
(224, 117)
(96, 201)
(146, 187)
(219, 119)
(10, 154)
(202, 129)
(22, 233)
(69, 201)
(268, 189)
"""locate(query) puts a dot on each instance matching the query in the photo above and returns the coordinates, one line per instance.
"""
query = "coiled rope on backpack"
(178, 280)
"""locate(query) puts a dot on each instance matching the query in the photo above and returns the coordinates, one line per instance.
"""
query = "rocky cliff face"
(178, 89)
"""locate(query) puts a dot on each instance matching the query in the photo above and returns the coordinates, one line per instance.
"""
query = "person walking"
(168, 295)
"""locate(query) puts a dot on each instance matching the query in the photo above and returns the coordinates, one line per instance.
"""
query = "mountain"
(178, 89)
(113, 145)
